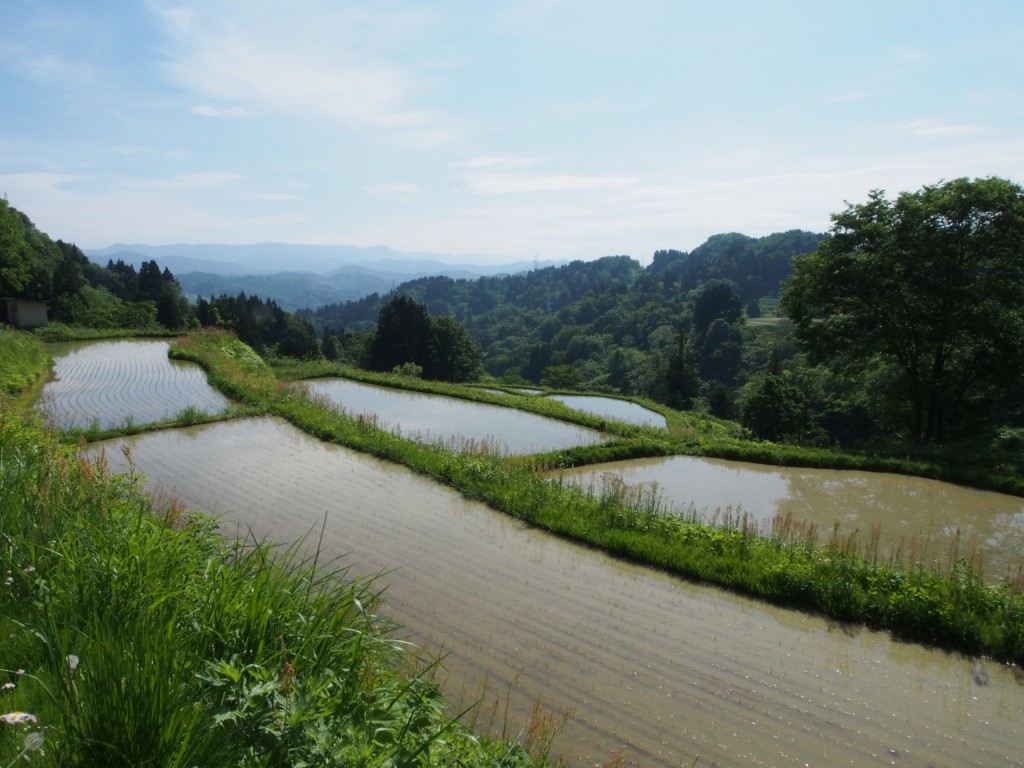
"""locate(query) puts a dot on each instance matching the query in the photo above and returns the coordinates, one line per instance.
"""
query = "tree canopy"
(440, 347)
(925, 296)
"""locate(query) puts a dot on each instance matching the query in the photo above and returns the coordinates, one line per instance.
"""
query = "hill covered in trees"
(79, 292)
(674, 331)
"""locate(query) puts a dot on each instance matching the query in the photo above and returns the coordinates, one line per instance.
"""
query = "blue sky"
(542, 129)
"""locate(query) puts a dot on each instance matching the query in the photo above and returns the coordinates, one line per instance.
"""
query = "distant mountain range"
(299, 276)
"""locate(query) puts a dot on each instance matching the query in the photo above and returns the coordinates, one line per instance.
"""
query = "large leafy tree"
(454, 356)
(403, 335)
(924, 293)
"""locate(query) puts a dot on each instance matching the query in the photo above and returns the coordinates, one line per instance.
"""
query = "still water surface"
(111, 382)
(430, 418)
(913, 515)
(663, 671)
(613, 408)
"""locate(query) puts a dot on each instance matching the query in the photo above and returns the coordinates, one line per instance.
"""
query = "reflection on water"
(921, 516)
(664, 672)
(111, 382)
(430, 418)
(613, 408)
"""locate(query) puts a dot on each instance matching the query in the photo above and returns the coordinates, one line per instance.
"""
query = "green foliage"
(403, 335)
(926, 289)
(410, 370)
(614, 321)
(561, 377)
(774, 408)
(79, 293)
(263, 325)
(28, 258)
(22, 361)
(454, 355)
(439, 347)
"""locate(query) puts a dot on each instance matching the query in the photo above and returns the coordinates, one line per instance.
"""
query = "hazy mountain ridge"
(265, 258)
(299, 276)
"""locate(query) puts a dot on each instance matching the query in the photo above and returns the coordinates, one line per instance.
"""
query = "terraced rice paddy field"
(885, 514)
(110, 383)
(658, 670)
(430, 419)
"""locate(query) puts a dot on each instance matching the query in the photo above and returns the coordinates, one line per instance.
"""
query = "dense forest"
(689, 330)
(607, 324)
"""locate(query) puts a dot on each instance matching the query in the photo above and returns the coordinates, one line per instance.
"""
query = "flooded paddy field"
(429, 418)
(614, 408)
(918, 517)
(111, 382)
(663, 671)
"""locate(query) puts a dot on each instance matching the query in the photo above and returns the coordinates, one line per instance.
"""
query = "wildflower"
(7, 687)
(9, 580)
(72, 661)
(34, 741)
(16, 718)
(29, 569)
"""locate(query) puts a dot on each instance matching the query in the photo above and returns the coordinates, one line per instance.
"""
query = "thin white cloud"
(205, 110)
(909, 54)
(270, 197)
(494, 161)
(501, 184)
(36, 181)
(396, 191)
(852, 96)
(317, 63)
(928, 128)
(191, 181)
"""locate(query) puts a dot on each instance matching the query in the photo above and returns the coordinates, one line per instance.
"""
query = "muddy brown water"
(918, 519)
(661, 671)
(111, 382)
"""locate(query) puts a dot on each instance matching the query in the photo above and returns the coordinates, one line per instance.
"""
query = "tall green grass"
(132, 634)
(22, 360)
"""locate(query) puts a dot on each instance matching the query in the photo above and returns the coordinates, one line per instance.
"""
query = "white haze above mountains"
(298, 276)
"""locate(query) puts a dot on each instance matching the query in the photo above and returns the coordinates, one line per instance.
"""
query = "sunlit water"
(920, 520)
(111, 383)
(661, 671)
(613, 408)
(430, 418)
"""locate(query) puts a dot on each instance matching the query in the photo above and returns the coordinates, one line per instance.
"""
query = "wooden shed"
(23, 313)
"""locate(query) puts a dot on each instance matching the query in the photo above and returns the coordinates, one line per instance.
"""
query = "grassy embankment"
(976, 464)
(951, 608)
(132, 634)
